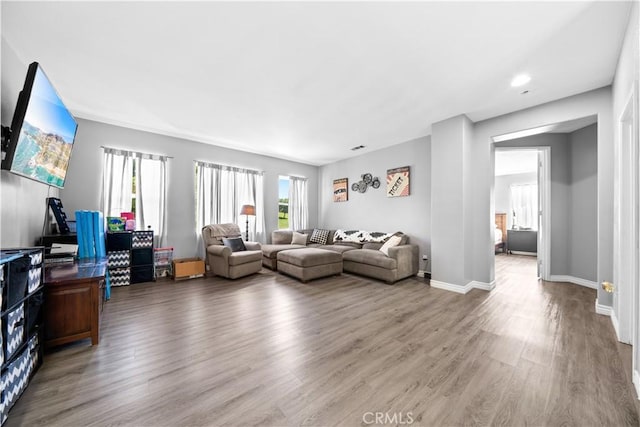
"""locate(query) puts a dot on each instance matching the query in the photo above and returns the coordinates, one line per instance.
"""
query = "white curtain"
(220, 193)
(298, 203)
(524, 206)
(150, 201)
(116, 182)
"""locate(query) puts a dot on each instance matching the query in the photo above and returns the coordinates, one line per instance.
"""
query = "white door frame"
(544, 212)
(625, 233)
(544, 205)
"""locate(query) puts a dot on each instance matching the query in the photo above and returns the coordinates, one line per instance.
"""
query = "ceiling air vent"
(359, 147)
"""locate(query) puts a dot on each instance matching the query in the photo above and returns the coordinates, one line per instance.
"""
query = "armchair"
(221, 261)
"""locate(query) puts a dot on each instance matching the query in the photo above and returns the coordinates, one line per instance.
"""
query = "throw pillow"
(375, 236)
(393, 241)
(234, 243)
(354, 236)
(299, 239)
(319, 236)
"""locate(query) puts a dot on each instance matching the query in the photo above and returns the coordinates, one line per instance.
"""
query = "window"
(283, 202)
(136, 182)
(524, 206)
(220, 192)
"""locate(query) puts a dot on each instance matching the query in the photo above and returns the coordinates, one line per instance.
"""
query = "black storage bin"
(35, 272)
(120, 276)
(142, 239)
(13, 330)
(1, 350)
(119, 259)
(16, 377)
(34, 313)
(2, 285)
(16, 286)
(142, 274)
(141, 256)
(119, 241)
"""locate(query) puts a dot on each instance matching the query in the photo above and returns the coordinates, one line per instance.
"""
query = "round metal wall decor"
(367, 180)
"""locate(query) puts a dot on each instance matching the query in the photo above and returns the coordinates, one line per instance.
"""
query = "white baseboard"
(420, 273)
(636, 382)
(451, 287)
(605, 310)
(463, 289)
(574, 280)
(484, 286)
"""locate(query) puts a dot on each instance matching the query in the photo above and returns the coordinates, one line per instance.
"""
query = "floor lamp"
(247, 210)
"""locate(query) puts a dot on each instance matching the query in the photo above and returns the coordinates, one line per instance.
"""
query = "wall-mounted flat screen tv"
(42, 132)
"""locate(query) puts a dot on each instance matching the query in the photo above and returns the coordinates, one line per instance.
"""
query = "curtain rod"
(219, 165)
(136, 152)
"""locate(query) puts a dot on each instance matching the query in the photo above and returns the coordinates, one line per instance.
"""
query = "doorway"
(520, 201)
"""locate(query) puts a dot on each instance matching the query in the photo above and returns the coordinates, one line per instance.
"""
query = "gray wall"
(502, 191)
(83, 188)
(584, 203)
(23, 207)
(451, 178)
(373, 210)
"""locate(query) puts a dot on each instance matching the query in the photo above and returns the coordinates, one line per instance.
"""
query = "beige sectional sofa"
(360, 257)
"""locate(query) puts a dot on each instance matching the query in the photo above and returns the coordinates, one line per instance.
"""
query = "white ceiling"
(308, 81)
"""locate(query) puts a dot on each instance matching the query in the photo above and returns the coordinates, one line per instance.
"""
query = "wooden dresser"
(74, 293)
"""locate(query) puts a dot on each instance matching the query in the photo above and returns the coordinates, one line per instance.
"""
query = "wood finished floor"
(269, 350)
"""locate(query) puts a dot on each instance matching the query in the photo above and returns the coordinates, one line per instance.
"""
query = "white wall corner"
(459, 289)
(605, 310)
(615, 323)
(574, 280)
(636, 382)
(483, 286)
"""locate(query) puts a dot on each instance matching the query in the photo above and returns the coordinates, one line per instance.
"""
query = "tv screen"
(42, 132)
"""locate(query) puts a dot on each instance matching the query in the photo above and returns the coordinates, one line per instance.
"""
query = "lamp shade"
(248, 210)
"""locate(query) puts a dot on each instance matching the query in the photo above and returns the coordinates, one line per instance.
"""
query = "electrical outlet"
(425, 258)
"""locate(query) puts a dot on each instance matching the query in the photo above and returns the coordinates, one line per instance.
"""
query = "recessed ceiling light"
(520, 80)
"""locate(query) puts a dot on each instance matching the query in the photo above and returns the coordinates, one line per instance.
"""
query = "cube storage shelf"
(21, 322)
(130, 255)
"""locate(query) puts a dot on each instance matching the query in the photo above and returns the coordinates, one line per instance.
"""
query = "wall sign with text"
(398, 182)
(341, 190)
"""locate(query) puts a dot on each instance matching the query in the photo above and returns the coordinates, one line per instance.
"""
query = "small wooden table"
(73, 293)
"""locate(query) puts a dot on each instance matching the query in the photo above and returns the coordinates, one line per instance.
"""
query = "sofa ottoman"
(270, 254)
(309, 263)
